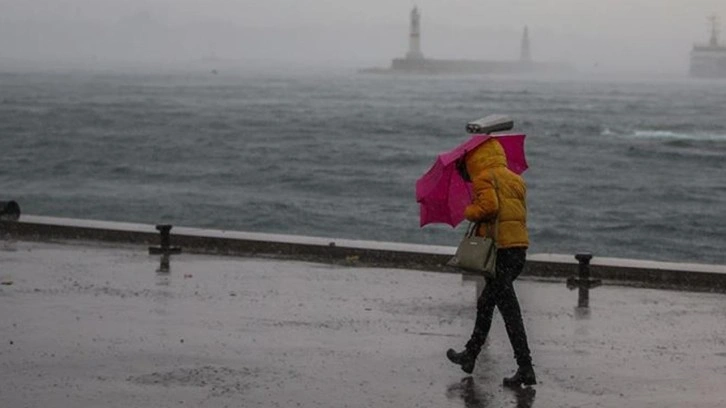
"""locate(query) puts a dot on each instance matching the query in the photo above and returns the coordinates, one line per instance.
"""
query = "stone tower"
(414, 36)
(525, 55)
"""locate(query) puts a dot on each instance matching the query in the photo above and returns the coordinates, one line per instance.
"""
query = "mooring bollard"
(164, 249)
(583, 281)
(165, 242)
(9, 211)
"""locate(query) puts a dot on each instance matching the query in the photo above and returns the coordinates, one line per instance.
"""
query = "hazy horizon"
(617, 36)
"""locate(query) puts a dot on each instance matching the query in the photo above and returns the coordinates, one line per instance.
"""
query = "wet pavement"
(83, 325)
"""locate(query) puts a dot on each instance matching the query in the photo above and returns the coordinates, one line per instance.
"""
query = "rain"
(264, 204)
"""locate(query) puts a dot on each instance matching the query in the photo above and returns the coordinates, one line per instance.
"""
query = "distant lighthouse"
(414, 36)
(525, 55)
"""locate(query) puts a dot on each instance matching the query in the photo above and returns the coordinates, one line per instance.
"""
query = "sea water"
(618, 167)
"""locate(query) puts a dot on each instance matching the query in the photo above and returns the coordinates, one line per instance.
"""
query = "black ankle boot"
(523, 376)
(465, 359)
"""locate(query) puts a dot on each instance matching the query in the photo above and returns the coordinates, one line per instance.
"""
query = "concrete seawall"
(665, 275)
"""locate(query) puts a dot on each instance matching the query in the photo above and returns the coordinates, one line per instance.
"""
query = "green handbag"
(476, 254)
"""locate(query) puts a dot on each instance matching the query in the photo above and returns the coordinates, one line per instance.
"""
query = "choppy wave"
(615, 169)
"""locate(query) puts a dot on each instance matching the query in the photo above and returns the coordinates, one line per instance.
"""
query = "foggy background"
(653, 36)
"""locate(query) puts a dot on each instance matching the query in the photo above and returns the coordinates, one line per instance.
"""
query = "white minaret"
(414, 36)
(525, 54)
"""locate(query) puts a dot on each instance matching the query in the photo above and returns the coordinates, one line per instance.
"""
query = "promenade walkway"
(91, 325)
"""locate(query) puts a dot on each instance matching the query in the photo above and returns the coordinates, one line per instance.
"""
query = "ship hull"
(443, 66)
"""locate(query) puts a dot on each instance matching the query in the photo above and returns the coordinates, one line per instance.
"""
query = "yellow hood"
(487, 155)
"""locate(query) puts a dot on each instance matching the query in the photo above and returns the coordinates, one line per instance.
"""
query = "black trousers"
(499, 293)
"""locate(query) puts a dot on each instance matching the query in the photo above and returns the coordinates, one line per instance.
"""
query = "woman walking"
(499, 197)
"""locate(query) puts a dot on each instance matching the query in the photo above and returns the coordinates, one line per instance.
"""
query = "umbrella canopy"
(443, 194)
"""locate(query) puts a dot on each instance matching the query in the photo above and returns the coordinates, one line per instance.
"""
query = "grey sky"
(594, 34)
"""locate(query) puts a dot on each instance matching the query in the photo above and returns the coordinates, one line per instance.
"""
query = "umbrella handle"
(461, 168)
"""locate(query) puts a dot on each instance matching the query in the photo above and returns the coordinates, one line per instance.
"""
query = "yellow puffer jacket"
(487, 168)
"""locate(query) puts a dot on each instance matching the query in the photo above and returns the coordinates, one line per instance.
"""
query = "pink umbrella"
(443, 194)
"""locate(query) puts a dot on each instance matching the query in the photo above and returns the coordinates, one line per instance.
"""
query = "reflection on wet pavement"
(468, 391)
(473, 395)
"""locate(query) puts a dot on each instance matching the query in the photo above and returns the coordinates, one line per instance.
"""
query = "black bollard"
(583, 281)
(164, 249)
(9, 211)
(583, 296)
(164, 230)
(164, 241)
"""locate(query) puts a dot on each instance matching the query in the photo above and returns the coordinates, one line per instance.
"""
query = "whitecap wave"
(667, 134)
(607, 132)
